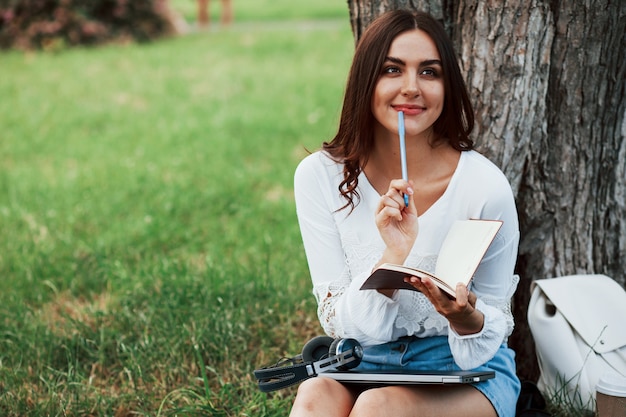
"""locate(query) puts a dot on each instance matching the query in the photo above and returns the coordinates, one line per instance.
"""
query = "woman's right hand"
(397, 223)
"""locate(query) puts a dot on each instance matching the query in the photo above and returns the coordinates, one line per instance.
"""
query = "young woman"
(352, 216)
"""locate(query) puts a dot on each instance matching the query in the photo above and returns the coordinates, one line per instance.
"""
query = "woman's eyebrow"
(425, 63)
(395, 60)
(430, 62)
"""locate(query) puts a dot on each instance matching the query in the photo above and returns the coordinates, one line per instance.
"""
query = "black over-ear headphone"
(320, 354)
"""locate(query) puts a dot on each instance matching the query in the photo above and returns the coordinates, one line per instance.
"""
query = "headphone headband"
(294, 370)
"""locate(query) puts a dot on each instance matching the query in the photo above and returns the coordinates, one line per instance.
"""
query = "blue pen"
(405, 175)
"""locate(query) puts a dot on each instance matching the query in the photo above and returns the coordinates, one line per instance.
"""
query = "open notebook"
(408, 377)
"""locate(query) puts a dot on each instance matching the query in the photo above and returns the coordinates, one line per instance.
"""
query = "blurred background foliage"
(57, 24)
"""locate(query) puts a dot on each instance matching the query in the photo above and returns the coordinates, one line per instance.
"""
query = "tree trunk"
(547, 81)
(571, 197)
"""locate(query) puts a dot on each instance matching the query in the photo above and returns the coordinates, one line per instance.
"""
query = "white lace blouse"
(342, 248)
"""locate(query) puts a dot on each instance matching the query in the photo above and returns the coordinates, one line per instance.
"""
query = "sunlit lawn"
(150, 255)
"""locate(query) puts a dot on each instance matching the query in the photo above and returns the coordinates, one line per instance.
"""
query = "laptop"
(399, 377)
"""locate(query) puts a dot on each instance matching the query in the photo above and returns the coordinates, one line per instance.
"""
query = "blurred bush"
(46, 24)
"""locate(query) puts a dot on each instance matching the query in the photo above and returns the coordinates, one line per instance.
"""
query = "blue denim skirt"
(433, 353)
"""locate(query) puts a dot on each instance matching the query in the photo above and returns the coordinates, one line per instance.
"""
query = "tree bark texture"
(572, 193)
(547, 79)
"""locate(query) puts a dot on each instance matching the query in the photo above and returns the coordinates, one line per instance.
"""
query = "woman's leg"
(423, 401)
(227, 12)
(322, 397)
(204, 17)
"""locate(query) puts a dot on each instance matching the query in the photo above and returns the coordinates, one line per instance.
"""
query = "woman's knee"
(318, 394)
(387, 400)
(373, 402)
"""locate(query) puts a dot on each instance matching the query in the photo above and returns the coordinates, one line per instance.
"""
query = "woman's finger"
(398, 189)
(462, 295)
(388, 208)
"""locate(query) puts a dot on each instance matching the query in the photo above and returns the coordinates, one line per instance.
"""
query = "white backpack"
(579, 327)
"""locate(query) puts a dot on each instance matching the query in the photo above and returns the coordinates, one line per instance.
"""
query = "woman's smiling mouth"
(409, 109)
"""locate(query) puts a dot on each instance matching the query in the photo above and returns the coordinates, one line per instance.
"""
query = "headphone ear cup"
(339, 346)
(316, 348)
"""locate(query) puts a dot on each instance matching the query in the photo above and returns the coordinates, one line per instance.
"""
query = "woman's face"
(411, 80)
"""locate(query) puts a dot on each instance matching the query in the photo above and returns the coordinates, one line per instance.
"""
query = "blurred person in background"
(204, 15)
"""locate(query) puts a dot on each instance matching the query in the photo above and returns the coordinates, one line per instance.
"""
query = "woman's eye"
(430, 72)
(391, 70)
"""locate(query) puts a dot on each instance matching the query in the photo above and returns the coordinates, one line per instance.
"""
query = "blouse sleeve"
(494, 284)
(343, 310)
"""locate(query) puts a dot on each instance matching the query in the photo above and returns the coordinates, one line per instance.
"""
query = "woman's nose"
(410, 87)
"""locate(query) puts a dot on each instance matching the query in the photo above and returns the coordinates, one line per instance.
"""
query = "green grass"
(150, 255)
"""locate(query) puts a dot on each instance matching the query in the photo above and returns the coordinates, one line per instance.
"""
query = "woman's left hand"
(461, 313)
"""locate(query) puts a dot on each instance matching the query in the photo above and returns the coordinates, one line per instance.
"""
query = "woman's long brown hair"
(354, 140)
